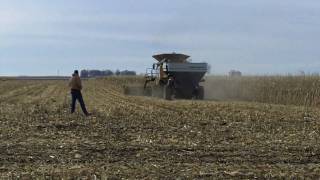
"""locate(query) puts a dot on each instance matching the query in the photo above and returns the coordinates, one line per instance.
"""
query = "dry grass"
(147, 138)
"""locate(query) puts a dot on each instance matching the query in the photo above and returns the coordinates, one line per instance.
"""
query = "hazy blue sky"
(40, 37)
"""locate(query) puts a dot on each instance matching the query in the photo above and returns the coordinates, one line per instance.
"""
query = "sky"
(46, 37)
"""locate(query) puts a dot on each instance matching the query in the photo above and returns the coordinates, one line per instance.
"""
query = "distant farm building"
(235, 73)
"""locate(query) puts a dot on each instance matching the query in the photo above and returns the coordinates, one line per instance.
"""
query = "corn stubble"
(145, 138)
(286, 90)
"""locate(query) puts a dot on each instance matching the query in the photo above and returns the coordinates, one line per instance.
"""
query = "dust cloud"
(134, 90)
(224, 88)
(217, 88)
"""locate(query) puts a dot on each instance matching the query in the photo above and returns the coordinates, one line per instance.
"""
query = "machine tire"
(167, 93)
(200, 94)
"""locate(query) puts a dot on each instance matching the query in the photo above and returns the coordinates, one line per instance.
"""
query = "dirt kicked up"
(149, 138)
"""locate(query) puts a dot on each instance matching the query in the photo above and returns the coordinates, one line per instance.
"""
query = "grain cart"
(173, 76)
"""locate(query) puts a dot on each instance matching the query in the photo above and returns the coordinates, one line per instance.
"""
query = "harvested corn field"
(148, 138)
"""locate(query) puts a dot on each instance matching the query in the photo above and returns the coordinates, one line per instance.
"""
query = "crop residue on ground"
(146, 138)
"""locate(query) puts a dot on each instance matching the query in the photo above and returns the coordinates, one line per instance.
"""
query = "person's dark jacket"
(75, 83)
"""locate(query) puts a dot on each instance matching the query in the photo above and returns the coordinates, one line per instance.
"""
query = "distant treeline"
(102, 73)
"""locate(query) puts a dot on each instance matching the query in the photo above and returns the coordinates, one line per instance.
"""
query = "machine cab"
(157, 73)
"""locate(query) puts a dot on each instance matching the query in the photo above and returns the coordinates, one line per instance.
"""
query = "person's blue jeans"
(76, 95)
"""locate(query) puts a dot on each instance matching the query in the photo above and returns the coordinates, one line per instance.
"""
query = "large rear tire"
(200, 94)
(167, 93)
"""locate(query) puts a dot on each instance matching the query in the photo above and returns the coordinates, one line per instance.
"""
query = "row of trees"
(102, 73)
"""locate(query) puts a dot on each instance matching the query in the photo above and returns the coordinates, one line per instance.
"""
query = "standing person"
(76, 87)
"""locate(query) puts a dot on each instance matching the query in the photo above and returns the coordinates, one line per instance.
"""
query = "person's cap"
(76, 72)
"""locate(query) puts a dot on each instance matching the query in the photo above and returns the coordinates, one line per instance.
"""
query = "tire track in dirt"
(19, 94)
(145, 106)
(144, 103)
(104, 96)
(9, 86)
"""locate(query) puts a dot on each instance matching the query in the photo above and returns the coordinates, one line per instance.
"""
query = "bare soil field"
(130, 137)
